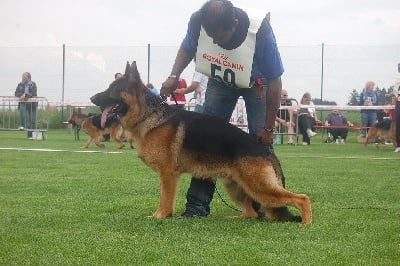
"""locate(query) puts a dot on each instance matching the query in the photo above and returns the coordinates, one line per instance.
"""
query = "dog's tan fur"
(381, 135)
(162, 140)
(116, 131)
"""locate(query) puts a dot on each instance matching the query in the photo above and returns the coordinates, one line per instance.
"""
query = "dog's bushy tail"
(282, 214)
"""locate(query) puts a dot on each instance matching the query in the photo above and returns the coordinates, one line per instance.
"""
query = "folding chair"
(282, 131)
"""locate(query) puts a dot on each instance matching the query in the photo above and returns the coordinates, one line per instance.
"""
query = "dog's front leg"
(168, 190)
(87, 143)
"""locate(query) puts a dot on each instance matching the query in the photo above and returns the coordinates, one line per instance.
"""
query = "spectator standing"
(152, 89)
(178, 99)
(25, 90)
(368, 97)
(199, 86)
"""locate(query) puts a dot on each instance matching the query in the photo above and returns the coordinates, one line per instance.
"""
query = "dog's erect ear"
(127, 68)
(134, 76)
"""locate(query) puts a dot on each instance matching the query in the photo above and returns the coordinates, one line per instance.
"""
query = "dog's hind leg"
(96, 140)
(277, 197)
(116, 133)
(372, 134)
(261, 185)
(281, 214)
(131, 143)
(128, 137)
(238, 195)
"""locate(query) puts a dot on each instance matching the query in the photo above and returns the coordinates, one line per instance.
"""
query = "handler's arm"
(272, 102)
(182, 60)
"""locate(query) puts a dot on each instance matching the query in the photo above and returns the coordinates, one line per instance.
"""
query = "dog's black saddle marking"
(111, 119)
(212, 135)
(384, 124)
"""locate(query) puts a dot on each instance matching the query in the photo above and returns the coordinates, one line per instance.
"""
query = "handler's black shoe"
(189, 214)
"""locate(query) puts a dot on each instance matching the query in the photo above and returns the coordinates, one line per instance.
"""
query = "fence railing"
(32, 114)
(326, 71)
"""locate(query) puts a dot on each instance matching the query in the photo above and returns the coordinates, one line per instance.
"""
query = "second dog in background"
(92, 126)
(380, 132)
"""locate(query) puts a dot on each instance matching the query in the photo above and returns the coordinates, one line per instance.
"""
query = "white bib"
(233, 67)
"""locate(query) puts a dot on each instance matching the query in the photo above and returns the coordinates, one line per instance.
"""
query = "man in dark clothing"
(238, 52)
(335, 119)
(25, 90)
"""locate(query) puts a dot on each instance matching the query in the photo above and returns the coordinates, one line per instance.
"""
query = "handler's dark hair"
(217, 14)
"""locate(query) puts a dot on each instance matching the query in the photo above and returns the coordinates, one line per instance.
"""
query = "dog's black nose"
(93, 98)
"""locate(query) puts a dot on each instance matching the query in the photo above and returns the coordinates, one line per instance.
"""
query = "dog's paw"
(160, 214)
(282, 215)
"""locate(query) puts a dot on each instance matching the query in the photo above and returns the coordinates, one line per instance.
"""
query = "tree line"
(354, 98)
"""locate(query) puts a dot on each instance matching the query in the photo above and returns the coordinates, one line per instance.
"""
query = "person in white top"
(307, 118)
(199, 86)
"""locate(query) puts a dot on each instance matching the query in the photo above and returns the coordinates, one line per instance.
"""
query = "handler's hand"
(266, 137)
(168, 86)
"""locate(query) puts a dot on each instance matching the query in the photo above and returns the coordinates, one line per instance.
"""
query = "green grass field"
(69, 207)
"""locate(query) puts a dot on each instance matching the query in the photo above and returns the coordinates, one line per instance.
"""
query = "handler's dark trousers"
(199, 196)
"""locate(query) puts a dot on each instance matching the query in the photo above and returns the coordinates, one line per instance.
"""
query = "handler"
(238, 52)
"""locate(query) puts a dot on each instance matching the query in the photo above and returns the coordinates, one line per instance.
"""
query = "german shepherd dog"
(173, 141)
(381, 131)
(92, 126)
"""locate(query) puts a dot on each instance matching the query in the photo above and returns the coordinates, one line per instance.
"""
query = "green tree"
(318, 101)
(354, 98)
(382, 99)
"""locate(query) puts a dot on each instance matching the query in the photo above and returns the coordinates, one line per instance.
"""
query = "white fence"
(32, 116)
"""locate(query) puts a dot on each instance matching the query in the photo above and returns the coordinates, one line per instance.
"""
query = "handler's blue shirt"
(267, 60)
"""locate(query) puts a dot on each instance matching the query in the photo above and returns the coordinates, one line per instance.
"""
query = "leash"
(173, 97)
(225, 202)
(261, 215)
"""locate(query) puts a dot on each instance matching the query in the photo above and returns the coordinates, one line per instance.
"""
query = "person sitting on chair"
(335, 119)
(307, 118)
(284, 118)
